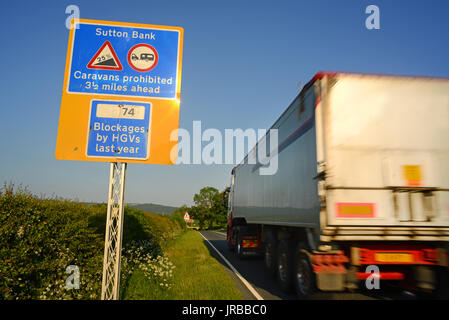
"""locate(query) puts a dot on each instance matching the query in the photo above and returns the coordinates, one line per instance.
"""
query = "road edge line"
(220, 233)
(246, 283)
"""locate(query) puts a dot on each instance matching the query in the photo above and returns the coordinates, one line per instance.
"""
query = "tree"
(208, 207)
(205, 198)
(221, 210)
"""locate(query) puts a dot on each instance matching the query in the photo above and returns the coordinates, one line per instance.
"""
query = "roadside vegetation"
(40, 237)
(196, 276)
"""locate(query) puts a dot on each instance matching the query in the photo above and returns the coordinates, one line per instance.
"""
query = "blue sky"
(242, 64)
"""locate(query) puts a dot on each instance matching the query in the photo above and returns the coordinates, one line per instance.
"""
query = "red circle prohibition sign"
(156, 57)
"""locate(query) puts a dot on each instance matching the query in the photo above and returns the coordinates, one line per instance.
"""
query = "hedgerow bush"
(138, 225)
(163, 228)
(40, 238)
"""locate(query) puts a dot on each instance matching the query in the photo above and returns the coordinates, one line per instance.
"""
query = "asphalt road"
(252, 269)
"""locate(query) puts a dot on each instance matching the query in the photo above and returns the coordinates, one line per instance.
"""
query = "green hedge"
(39, 238)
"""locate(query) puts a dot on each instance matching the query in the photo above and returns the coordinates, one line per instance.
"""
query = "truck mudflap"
(329, 269)
(250, 242)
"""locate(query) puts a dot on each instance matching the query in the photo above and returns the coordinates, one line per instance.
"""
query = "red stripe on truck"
(382, 275)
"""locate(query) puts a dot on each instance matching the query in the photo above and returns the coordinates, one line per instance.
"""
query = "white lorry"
(362, 180)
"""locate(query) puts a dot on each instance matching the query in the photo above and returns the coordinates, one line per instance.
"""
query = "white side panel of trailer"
(383, 134)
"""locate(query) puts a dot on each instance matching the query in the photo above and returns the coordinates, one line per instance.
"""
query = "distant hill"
(153, 208)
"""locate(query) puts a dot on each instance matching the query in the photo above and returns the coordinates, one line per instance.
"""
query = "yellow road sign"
(121, 93)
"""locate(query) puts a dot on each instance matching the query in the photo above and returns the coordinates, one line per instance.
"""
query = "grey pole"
(114, 232)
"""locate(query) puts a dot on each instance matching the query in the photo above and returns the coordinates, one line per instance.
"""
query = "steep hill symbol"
(105, 59)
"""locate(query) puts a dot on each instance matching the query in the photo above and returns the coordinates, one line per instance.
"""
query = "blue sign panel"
(119, 129)
(124, 61)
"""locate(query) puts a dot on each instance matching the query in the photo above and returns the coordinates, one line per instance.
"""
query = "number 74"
(127, 111)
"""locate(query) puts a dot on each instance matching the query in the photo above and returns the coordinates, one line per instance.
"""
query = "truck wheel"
(238, 242)
(285, 265)
(270, 253)
(304, 279)
(238, 245)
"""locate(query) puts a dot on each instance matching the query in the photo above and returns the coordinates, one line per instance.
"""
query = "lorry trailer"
(361, 191)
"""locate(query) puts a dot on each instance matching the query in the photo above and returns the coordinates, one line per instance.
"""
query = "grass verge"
(197, 275)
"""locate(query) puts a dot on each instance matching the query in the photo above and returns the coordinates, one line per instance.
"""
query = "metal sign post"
(114, 231)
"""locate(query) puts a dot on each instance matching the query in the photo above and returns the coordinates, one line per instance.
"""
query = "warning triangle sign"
(105, 59)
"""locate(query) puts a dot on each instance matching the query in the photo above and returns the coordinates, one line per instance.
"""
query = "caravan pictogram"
(142, 57)
(105, 59)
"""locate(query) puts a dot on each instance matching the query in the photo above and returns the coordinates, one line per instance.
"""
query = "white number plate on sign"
(120, 111)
